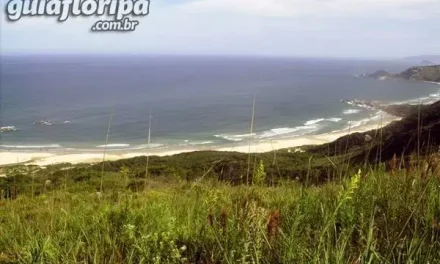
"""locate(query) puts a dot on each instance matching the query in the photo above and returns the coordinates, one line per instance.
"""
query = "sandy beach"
(44, 158)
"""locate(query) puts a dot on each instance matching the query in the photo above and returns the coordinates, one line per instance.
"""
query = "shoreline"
(44, 158)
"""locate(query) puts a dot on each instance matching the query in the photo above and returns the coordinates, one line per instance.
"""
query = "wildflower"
(211, 219)
(393, 164)
(223, 219)
(435, 224)
(273, 224)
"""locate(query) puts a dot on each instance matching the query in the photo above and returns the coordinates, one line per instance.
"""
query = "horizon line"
(127, 54)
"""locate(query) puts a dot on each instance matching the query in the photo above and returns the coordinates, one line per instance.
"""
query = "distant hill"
(424, 59)
(426, 63)
(418, 73)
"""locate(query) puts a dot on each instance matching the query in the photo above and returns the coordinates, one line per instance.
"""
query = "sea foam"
(235, 137)
(51, 146)
(351, 111)
(114, 146)
(319, 120)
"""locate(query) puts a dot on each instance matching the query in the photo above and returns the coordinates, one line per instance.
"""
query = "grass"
(373, 216)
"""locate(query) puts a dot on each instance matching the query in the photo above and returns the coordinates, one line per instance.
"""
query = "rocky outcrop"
(421, 73)
(8, 129)
(381, 74)
(400, 110)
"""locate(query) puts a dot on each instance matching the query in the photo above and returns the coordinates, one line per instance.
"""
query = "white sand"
(20, 157)
(56, 157)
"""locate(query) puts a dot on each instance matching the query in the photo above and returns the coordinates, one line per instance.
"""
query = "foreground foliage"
(370, 217)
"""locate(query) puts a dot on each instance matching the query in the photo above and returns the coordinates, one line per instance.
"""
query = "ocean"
(65, 102)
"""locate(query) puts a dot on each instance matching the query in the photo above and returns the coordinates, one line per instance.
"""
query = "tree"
(260, 174)
(125, 172)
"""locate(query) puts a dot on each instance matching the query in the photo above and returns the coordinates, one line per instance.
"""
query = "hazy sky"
(330, 28)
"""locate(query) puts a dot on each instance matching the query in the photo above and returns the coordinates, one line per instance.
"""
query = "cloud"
(414, 9)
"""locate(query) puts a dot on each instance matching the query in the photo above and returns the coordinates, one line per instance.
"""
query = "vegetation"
(351, 201)
(422, 73)
(417, 133)
(373, 216)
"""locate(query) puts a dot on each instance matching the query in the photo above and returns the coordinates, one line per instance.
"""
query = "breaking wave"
(316, 121)
(308, 127)
(284, 131)
(195, 143)
(114, 146)
(235, 138)
(351, 111)
(50, 146)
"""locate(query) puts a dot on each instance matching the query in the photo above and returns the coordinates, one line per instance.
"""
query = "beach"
(188, 104)
(52, 157)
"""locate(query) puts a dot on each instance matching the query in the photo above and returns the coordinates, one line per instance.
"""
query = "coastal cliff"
(423, 73)
(418, 132)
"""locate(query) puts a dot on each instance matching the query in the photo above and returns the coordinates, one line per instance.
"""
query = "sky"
(299, 28)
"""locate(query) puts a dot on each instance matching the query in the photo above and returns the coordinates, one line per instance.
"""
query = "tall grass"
(105, 148)
(370, 217)
(148, 147)
(251, 131)
(373, 216)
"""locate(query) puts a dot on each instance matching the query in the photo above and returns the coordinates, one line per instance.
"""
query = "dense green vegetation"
(374, 216)
(418, 133)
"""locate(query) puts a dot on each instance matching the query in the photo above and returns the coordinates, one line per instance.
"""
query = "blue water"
(193, 100)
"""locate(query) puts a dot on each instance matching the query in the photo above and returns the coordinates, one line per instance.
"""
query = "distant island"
(418, 73)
